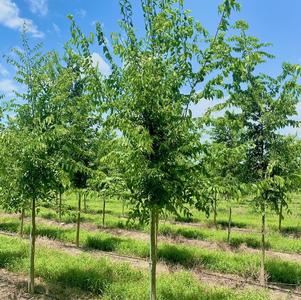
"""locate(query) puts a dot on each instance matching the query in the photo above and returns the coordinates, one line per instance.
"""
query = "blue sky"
(272, 21)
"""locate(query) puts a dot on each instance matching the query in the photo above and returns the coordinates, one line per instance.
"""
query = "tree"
(151, 110)
(286, 168)
(80, 117)
(265, 105)
(223, 161)
(30, 135)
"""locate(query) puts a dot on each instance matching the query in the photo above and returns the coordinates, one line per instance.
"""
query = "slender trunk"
(229, 224)
(280, 216)
(60, 206)
(262, 268)
(22, 222)
(32, 246)
(153, 253)
(214, 210)
(103, 212)
(78, 218)
(85, 203)
(157, 229)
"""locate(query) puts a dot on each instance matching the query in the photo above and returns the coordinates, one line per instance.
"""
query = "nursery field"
(194, 259)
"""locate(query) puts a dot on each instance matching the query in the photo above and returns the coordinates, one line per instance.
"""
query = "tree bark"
(229, 225)
(32, 246)
(157, 229)
(262, 264)
(78, 218)
(60, 206)
(153, 253)
(280, 216)
(103, 212)
(85, 203)
(22, 222)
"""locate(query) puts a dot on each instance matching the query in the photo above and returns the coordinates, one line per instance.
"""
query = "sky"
(274, 21)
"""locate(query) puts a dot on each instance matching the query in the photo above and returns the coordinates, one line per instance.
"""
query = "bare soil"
(13, 286)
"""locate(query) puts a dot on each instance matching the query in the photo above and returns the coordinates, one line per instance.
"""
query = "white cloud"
(81, 12)
(99, 62)
(38, 7)
(9, 17)
(3, 70)
(7, 86)
(56, 28)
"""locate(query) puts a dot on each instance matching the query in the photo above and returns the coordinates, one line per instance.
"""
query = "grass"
(110, 280)
(244, 215)
(275, 240)
(239, 263)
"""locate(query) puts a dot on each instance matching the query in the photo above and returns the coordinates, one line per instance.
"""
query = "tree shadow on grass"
(89, 280)
(283, 271)
(10, 227)
(224, 224)
(10, 257)
(105, 244)
(291, 230)
(252, 242)
(177, 255)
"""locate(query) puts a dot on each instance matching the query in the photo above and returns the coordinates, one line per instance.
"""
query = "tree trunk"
(78, 218)
(103, 212)
(280, 216)
(60, 206)
(157, 229)
(229, 225)
(262, 267)
(85, 203)
(22, 222)
(32, 246)
(153, 253)
(214, 210)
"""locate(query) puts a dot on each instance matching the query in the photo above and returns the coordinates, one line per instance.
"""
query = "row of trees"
(133, 134)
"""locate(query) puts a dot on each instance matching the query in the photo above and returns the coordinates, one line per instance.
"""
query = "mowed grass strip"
(242, 264)
(110, 280)
(275, 241)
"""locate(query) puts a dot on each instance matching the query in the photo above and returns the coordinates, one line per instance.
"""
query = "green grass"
(239, 263)
(109, 280)
(243, 214)
(275, 240)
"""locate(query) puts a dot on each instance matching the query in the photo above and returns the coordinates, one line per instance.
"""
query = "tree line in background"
(132, 134)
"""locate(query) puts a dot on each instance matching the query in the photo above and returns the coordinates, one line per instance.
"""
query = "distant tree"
(266, 105)
(226, 154)
(81, 116)
(286, 157)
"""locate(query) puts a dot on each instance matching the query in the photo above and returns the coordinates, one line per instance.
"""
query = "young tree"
(266, 105)
(224, 159)
(34, 163)
(80, 116)
(151, 110)
(286, 157)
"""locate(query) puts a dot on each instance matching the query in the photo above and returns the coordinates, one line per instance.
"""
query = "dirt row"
(13, 286)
